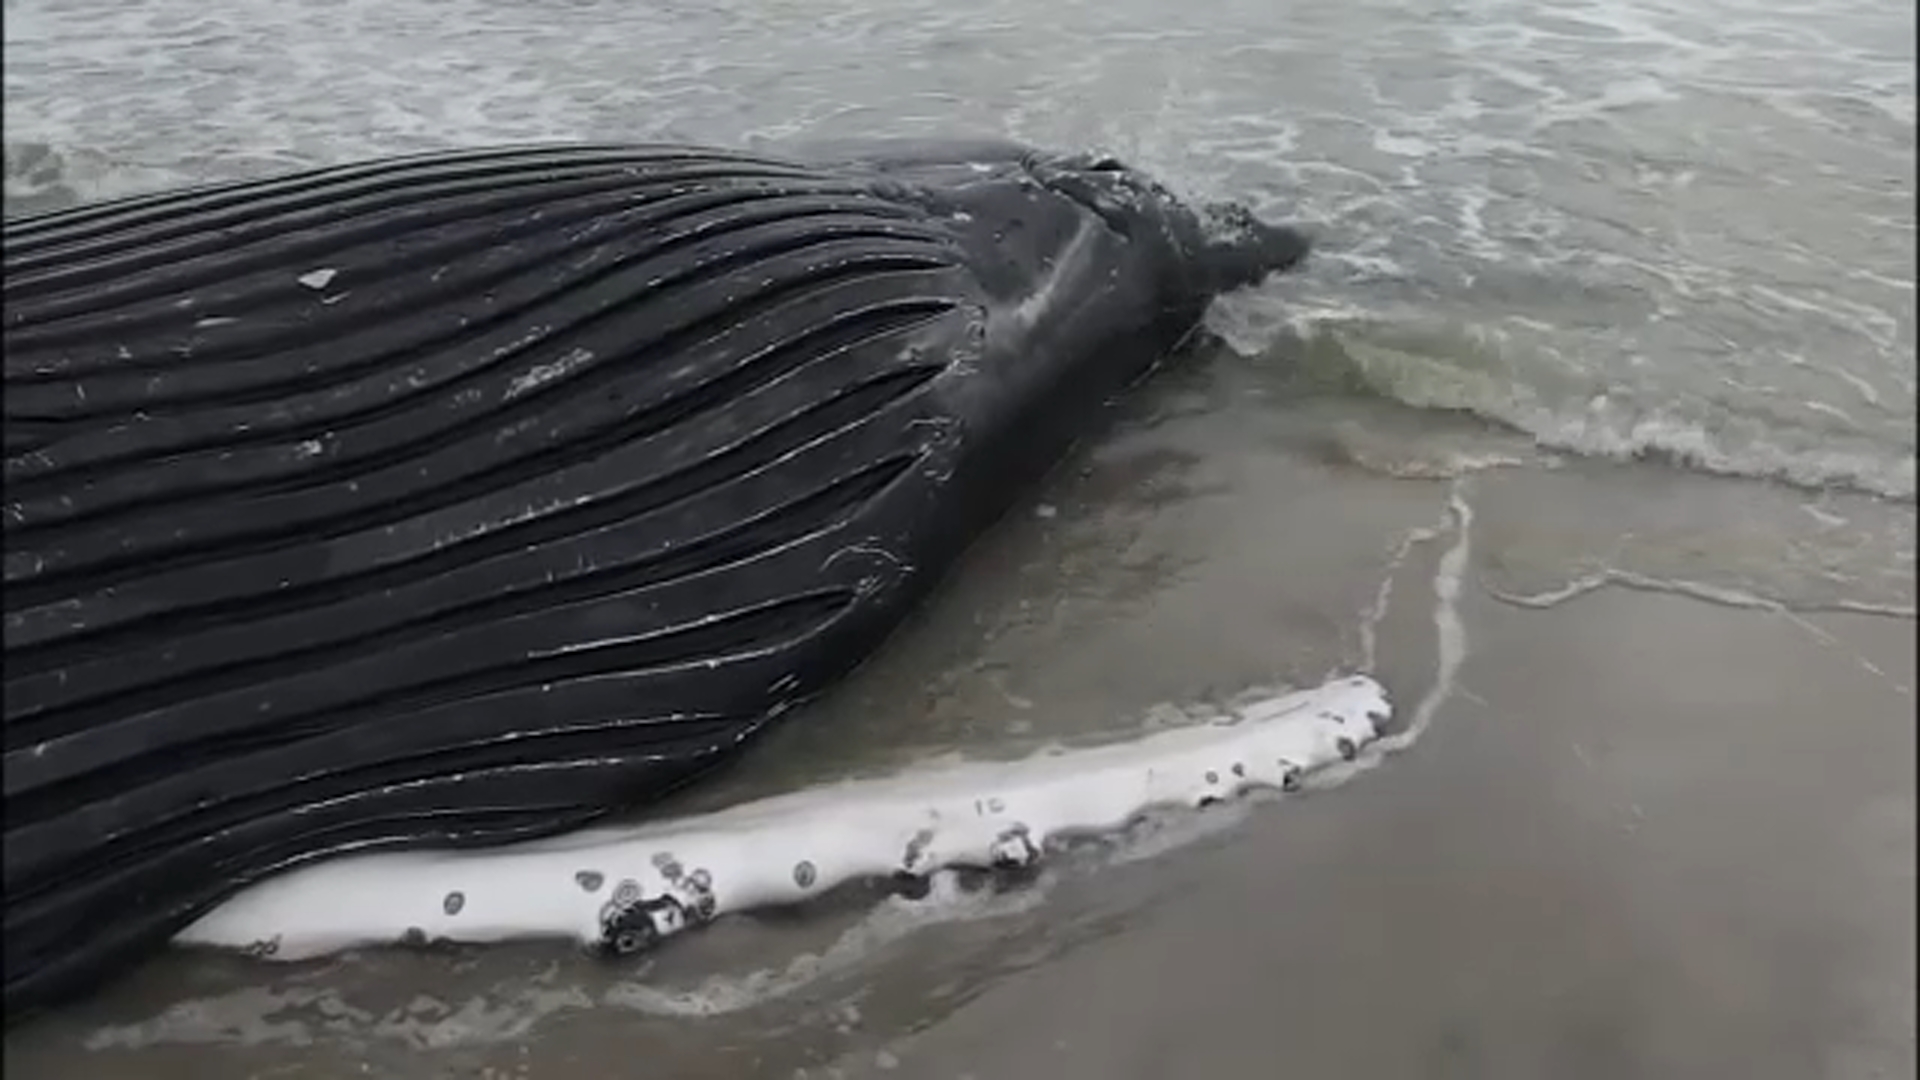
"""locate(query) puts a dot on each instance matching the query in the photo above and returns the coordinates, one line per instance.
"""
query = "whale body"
(461, 499)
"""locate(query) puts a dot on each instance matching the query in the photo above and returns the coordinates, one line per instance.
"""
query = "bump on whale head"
(1218, 247)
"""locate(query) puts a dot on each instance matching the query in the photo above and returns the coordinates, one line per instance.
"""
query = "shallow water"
(1627, 286)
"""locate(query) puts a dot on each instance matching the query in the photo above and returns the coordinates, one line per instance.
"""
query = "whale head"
(1210, 249)
(1030, 216)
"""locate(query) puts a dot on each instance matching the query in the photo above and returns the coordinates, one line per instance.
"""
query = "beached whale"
(461, 499)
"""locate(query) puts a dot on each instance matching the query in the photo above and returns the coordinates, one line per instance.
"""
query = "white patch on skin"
(1036, 302)
(317, 279)
(785, 849)
(542, 374)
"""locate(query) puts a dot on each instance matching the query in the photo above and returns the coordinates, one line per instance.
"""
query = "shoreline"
(1621, 852)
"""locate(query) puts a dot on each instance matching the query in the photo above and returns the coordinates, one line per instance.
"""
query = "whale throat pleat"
(428, 501)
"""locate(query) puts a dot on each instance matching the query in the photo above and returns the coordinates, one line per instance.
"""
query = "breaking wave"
(1509, 379)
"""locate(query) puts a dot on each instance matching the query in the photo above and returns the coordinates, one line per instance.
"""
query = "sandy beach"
(1644, 833)
(1648, 839)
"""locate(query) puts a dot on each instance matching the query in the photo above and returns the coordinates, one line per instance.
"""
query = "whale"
(462, 499)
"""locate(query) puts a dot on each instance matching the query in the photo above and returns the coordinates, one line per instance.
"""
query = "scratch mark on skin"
(1035, 305)
(864, 549)
(542, 374)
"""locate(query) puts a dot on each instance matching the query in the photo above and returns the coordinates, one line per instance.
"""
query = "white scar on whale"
(621, 889)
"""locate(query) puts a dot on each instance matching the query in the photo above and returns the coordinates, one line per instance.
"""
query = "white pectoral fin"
(621, 889)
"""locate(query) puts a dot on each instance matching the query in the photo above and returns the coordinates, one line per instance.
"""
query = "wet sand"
(1645, 835)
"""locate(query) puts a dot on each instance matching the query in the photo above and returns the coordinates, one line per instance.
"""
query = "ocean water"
(1628, 283)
